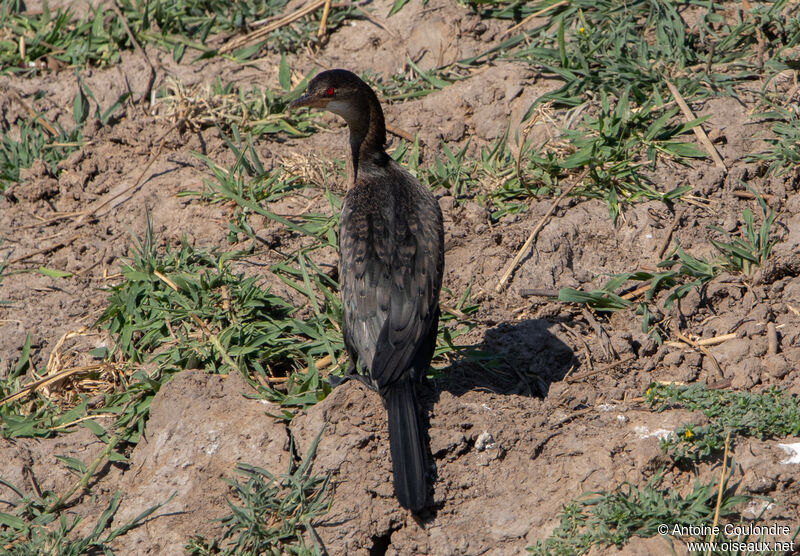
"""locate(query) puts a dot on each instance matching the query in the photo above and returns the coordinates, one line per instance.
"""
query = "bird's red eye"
(329, 92)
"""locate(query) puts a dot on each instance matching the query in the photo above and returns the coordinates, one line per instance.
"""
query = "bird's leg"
(350, 374)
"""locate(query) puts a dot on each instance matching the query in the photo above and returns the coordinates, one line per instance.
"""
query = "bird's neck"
(367, 137)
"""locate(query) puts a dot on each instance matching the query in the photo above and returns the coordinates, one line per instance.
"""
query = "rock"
(731, 351)
(777, 366)
(200, 426)
(746, 373)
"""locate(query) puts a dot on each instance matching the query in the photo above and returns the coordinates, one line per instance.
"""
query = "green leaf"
(24, 357)
(95, 428)
(99, 353)
(12, 521)
(80, 107)
(178, 51)
(249, 51)
(284, 75)
(53, 273)
(396, 7)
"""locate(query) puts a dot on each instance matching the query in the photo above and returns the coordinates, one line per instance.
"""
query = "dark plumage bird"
(391, 258)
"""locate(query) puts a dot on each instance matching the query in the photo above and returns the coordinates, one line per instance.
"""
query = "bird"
(391, 262)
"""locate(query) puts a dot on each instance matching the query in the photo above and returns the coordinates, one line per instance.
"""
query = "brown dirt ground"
(555, 437)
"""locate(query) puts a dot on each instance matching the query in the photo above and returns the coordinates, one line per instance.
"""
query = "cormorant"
(391, 259)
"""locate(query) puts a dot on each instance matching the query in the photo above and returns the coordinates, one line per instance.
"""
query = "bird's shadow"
(522, 358)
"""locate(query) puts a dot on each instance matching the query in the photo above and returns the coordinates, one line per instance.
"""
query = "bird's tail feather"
(407, 446)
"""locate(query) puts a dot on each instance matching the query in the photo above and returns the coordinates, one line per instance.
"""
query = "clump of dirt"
(560, 416)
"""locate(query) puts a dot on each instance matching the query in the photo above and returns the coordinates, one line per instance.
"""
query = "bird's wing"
(390, 285)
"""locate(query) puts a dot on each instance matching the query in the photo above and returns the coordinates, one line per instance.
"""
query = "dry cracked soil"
(564, 410)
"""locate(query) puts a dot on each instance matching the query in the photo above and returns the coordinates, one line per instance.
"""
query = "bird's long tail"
(407, 446)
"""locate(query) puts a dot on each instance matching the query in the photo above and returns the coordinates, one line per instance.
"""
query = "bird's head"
(339, 91)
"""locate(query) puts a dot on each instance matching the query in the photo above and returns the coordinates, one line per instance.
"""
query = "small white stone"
(794, 452)
(644, 432)
(484, 442)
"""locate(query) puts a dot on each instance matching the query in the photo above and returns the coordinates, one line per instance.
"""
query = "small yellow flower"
(687, 434)
(581, 30)
(648, 392)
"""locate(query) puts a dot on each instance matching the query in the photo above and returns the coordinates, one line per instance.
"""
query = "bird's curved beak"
(307, 100)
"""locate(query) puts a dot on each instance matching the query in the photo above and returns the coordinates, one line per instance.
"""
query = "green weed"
(97, 38)
(751, 248)
(769, 414)
(614, 47)
(618, 141)
(682, 272)
(276, 514)
(35, 138)
(27, 141)
(187, 309)
(609, 518)
(31, 527)
(622, 54)
(784, 152)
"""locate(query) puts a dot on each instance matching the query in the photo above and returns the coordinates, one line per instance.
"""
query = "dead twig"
(533, 292)
(35, 115)
(747, 195)
(637, 292)
(400, 133)
(526, 247)
(702, 349)
(259, 34)
(138, 181)
(719, 493)
(717, 339)
(324, 19)
(533, 16)
(453, 311)
(610, 366)
(698, 129)
(44, 250)
(668, 238)
(772, 339)
(322, 363)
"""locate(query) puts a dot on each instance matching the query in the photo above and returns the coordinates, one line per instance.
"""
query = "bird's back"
(391, 262)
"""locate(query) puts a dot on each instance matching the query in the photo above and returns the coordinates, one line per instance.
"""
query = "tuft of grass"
(783, 154)
(751, 248)
(609, 47)
(31, 527)
(276, 513)
(683, 272)
(34, 138)
(27, 141)
(616, 144)
(620, 57)
(415, 82)
(187, 309)
(769, 414)
(64, 38)
(234, 109)
(609, 518)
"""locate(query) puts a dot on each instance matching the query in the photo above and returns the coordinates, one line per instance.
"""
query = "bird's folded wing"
(390, 281)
